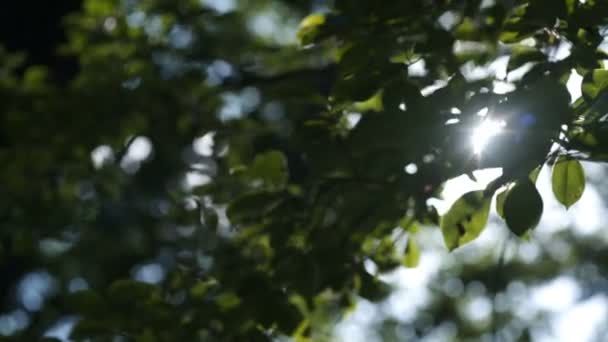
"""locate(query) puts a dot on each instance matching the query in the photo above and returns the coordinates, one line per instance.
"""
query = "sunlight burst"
(484, 133)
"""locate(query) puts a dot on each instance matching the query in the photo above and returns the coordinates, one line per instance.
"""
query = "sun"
(484, 133)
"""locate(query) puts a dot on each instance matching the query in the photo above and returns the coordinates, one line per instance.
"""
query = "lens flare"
(484, 133)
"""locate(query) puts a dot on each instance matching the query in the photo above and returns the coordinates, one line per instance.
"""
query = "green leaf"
(408, 223)
(227, 301)
(271, 169)
(466, 219)
(571, 5)
(523, 207)
(594, 83)
(310, 28)
(568, 181)
(412, 253)
(516, 27)
(202, 288)
(466, 30)
(35, 77)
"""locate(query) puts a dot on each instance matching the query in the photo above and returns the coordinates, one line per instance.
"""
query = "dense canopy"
(224, 170)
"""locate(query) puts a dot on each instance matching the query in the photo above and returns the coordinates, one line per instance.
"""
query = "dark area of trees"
(226, 170)
(37, 30)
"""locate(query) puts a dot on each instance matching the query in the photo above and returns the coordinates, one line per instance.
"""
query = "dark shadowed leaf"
(523, 207)
(250, 207)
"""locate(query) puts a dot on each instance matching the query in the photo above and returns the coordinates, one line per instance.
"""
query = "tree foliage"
(209, 178)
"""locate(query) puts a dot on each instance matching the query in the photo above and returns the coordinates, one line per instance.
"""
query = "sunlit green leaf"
(568, 181)
(310, 28)
(412, 253)
(466, 219)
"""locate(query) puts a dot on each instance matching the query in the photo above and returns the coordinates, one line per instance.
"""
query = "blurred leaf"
(201, 289)
(35, 77)
(523, 207)
(412, 253)
(228, 300)
(568, 181)
(466, 219)
(466, 30)
(310, 28)
(271, 169)
(250, 207)
(594, 83)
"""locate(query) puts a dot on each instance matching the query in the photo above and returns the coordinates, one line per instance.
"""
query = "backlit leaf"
(466, 219)
(568, 181)
(412, 253)
(310, 28)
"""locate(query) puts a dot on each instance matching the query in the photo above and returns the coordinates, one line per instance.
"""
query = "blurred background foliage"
(238, 170)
